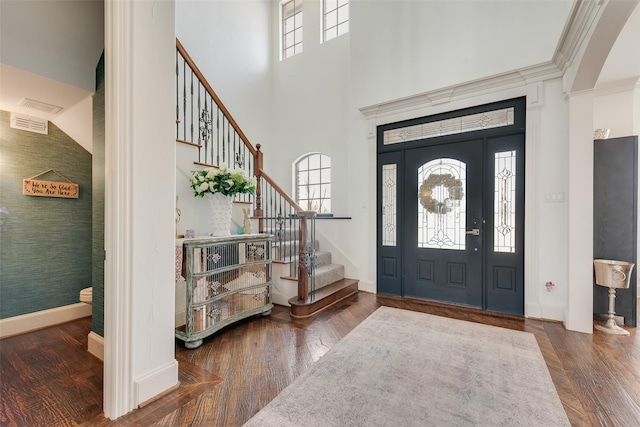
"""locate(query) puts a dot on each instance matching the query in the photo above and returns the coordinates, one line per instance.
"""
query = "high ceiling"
(49, 50)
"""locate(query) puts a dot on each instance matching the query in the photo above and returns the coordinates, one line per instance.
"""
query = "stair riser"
(282, 250)
(329, 274)
(323, 258)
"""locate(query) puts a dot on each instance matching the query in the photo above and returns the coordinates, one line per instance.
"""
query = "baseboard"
(42, 319)
(163, 378)
(552, 312)
(280, 299)
(367, 286)
(532, 311)
(95, 345)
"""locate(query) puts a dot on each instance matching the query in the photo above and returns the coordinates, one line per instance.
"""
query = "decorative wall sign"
(35, 187)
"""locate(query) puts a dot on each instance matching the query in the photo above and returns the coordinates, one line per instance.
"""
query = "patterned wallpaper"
(45, 242)
(98, 202)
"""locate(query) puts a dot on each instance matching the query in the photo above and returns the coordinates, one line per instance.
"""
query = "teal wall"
(45, 242)
(98, 202)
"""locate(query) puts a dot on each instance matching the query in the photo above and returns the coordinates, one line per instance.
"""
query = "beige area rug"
(402, 368)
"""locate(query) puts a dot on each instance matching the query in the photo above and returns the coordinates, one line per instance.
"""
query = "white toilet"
(86, 295)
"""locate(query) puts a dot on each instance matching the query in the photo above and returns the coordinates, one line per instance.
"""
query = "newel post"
(306, 253)
(257, 171)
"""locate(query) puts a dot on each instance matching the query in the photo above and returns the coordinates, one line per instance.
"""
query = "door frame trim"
(518, 127)
(396, 111)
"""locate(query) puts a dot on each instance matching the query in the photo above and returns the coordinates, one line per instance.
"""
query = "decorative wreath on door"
(425, 195)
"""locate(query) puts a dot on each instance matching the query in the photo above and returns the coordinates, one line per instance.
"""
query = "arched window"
(313, 182)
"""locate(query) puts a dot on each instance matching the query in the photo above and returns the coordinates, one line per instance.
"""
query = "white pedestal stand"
(612, 274)
(611, 326)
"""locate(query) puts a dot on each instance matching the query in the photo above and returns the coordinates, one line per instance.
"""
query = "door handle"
(474, 232)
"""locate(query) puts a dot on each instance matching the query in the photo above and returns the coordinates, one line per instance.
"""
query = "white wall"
(406, 48)
(76, 122)
(311, 93)
(139, 204)
(154, 365)
(551, 217)
(395, 49)
(400, 48)
(616, 107)
(230, 43)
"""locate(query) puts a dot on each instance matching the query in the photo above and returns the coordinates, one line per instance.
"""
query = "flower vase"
(221, 206)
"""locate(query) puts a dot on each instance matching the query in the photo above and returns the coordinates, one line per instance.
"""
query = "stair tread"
(323, 298)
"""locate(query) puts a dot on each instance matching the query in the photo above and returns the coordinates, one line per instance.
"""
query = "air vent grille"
(40, 106)
(28, 123)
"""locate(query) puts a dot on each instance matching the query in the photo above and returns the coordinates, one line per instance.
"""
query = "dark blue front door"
(451, 217)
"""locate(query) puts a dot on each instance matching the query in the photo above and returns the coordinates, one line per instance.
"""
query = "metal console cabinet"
(227, 279)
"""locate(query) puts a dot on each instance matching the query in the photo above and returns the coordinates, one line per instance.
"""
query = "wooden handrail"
(280, 191)
(208, 88)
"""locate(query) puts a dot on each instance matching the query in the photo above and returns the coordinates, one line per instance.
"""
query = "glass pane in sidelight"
(504, 205)
(389, 201)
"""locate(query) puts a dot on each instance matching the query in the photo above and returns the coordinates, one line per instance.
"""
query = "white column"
(580, 300)
(140, 196)
(535, 102)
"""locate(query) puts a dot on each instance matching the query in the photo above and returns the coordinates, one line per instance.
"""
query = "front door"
(443, 199)
(458, 203)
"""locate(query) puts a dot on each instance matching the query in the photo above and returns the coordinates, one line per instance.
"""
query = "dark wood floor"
(48, 379)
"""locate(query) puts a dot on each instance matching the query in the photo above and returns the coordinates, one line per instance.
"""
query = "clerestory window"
(313, 182)
(290, 28)
(335, 18)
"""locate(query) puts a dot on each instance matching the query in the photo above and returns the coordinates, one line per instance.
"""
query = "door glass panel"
(389, 208)
(504, 206)
(442, 204)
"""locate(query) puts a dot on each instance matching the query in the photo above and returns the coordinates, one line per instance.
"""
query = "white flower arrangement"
(221, 180)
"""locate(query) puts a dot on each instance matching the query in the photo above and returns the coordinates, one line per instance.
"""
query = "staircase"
(328, 284)
(304, 277)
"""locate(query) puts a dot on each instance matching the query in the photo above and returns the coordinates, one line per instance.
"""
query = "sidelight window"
(389, 204)
(504, 211)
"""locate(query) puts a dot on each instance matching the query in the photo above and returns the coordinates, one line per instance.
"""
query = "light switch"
(554, 197)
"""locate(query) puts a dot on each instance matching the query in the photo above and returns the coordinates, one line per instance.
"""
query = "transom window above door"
(452, 126)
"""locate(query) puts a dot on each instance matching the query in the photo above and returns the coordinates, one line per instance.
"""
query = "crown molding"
(621, 86)
(579, 25)
(500, 82)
